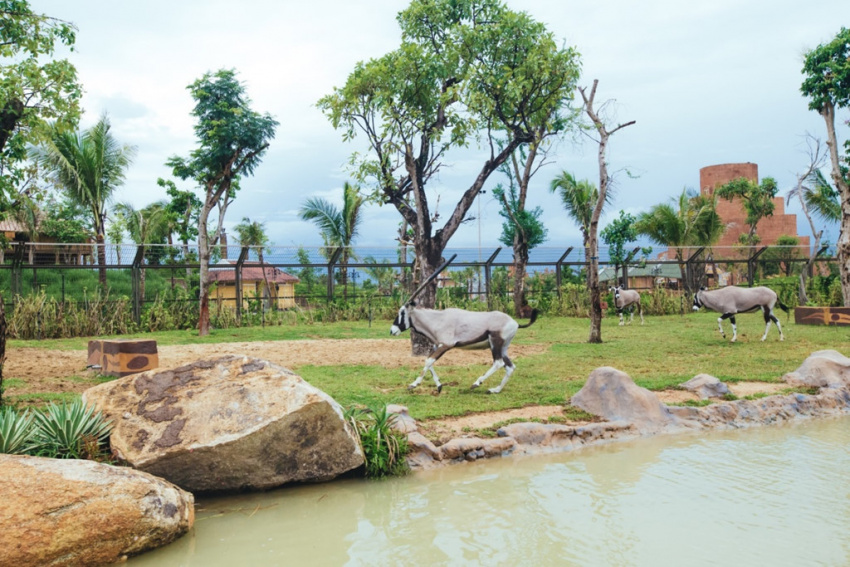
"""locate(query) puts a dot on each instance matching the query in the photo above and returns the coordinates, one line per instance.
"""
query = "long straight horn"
(430, 278)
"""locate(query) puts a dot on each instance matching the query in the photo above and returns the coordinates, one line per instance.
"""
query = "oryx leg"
(429, 367)
(731, 317)
(768, 317)
(640, 312)
(620, 313)
(509, 369)
(498, 347)
(631, 315)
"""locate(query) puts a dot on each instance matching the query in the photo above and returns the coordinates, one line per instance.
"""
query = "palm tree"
(89, 166)
(693, 222)
(149, 225)
(338, 228)
(253, 233)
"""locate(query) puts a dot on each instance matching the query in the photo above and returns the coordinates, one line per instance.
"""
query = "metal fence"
(60, 270)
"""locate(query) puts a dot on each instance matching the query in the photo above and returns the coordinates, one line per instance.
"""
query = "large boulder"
(706, 386)
(613, 395)
(230, 423)
(822, 369)
(75, 512)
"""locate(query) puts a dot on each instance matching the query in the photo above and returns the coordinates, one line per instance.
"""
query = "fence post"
(817, 255)
(243, 255)
(136, 274)
(558, 268)
(751, 265)
(337, 253)
(487, 266)
(17, 262)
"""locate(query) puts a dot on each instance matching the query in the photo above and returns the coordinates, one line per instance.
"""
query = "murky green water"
(768, 496)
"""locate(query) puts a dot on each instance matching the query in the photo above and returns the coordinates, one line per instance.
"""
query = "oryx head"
(401, 322)
(615, 290)
(697, 302)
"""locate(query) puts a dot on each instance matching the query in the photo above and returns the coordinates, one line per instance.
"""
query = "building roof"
(669, 271)
(12, 225)
(251, 271)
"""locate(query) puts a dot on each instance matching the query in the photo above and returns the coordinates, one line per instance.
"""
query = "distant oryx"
(733, 300)
(627, 298)
(450, 328)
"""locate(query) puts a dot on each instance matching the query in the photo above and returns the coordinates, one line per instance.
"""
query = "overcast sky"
(707, 82)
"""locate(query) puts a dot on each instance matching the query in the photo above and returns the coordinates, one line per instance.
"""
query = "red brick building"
(733, 214)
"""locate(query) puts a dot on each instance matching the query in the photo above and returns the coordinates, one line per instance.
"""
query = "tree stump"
(123, 357)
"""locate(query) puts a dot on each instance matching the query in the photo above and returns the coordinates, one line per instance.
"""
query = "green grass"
(659, 355)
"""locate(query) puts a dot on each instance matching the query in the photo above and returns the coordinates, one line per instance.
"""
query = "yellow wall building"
(281, 286)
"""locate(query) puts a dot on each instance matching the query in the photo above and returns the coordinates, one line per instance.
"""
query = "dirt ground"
(43, 370)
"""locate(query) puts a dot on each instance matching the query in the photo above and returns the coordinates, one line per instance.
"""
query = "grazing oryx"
(733, 300)
(450, 328)
(627, 298)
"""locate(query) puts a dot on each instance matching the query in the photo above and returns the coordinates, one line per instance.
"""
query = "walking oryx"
(733, 300)
(450, 328)
(627, 298)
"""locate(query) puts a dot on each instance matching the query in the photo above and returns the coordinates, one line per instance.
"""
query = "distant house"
(281, 286)
(647, 277)
(45, 250)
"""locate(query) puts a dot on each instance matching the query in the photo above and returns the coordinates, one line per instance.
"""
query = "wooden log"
(123, 357)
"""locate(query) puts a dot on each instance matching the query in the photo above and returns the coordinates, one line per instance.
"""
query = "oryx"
(450, 328)
(733, 300)
(627, 298)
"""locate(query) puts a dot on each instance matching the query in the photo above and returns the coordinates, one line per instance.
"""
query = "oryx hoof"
(493, 391)
(411, 387)
(439, 388)
(474, 385)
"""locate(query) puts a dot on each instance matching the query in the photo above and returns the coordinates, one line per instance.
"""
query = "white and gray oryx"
(450, 328)
(627, 299)
(733, 300)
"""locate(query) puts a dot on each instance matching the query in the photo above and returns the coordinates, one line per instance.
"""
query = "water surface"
(775, 495)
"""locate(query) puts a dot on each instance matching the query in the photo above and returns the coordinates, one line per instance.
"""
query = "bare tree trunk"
(204, 261)
(520, 262)
(843, 244)
(101, 259)
(2, 345)
(593, 233)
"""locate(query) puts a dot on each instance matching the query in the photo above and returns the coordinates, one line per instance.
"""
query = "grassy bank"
(665, 352)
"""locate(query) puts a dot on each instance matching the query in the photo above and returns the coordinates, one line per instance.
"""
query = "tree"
(465, 70)
(616, 235)
(383, 274)
(604, 185)
(307, 274)
(253, 233)
(817, 199)
(35, 89)
(339, 228)
(757, 200)
(827, 84)
(579, 199)
(148, 225)
(232, 140)
(693, 222)
(185, 209)
(88, 166)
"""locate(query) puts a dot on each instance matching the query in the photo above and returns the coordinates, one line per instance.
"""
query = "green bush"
(16, 432)
(384, 448)
(70, 431)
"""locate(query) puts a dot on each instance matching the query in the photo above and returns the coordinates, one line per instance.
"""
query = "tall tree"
(817, 199)
(35, 88)
(579, 199)
(253, 234)
(616, 235)
(757, 199)
(339, 228)
(692, 222)
(604, 186)
(827, 84)
(89, 166)
(232, 140)
(465, 70)
(148, 225)
(185, 208)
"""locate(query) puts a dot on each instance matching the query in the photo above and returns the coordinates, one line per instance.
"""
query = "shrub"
(383, 447)
(70, 432)
(16, 432)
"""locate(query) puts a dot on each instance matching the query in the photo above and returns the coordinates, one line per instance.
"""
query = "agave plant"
(70, 431)
(16, 432)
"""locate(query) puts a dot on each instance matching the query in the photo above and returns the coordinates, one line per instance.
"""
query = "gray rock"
(613, 395)
(822, 369)
(706, 386)
(403, 422)
(230, 423)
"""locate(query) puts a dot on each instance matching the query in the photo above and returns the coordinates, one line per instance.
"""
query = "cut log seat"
(123, 357)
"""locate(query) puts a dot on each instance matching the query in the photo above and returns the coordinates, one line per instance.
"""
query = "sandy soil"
(43, 370)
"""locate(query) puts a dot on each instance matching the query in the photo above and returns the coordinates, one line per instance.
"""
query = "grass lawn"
(660, 355)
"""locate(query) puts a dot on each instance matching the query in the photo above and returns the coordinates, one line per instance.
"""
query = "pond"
(765, 496)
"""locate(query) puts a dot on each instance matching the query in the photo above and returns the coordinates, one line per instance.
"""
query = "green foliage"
(40, 316)
(692, 222)
(16, 431)
(757, 200)
(827, 73)
(35, 88)
(384, 448)
(185, 208)
(617, 234)
(579, 199)
(70, 431)
(520, 220)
